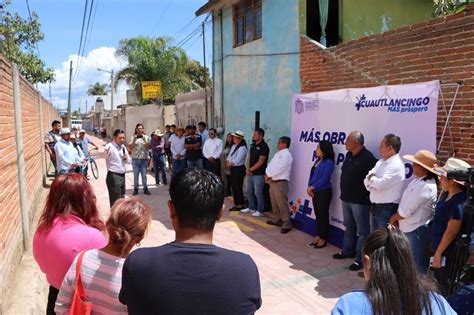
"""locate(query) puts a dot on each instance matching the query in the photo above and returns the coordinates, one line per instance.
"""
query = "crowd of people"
(393, 224)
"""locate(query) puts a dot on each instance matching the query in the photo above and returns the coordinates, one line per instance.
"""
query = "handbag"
(79, 305)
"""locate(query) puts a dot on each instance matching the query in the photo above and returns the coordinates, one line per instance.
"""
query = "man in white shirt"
(212, 150)
(116, 158)
(278, 174)
(178, 151)
(67, 156)
(385, 181)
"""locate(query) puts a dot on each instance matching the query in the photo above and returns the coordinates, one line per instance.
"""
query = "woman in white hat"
(236, 164)
(416, 207)
(447, 220)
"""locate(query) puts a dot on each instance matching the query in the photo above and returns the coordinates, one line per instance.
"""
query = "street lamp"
(111, 86)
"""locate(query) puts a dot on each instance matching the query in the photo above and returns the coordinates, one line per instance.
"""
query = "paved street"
(295, 279)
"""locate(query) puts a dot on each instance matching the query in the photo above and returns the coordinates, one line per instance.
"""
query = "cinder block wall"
(438, 49)
(11, 237)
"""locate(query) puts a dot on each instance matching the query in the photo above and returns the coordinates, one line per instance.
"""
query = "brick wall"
(438, 49)
(11, 237)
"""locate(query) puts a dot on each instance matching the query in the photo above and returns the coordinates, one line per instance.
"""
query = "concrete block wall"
(11, 238)
(437, 49)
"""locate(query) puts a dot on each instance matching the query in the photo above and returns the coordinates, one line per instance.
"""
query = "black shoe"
(165, 182)
(135, 192)
(356, 266)
(277, 223)
(146, 192)
(234, 209)
(341, 255)
(321, 246)
(284, 231)
(312, 244)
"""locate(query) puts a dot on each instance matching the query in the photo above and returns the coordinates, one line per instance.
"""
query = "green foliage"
(153, 59)
(18, 40)
(97, 89)
(447, 7)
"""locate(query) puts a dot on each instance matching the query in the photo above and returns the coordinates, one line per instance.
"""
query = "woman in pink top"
(101, 269)
(69, 224)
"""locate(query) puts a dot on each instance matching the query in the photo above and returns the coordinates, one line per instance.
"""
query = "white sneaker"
(247, 210)
(257, 214)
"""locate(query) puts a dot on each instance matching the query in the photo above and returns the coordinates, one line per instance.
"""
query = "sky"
(61, 22)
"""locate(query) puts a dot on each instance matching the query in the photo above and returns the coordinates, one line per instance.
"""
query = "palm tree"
(153, 59)
(97, 89)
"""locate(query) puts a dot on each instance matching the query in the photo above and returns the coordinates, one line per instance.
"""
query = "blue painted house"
(255, 64)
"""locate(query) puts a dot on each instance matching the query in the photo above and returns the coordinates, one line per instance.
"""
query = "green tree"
(97, 89)
(447, 7)
(153, 59)
(198, 74)
(18, 40)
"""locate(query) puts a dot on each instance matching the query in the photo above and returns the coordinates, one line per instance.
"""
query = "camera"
(464, 176)
(139, 136)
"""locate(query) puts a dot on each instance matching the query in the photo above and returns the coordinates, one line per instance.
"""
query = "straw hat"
(158, 133)
(452, 164)
(423, 158)
(239, 134)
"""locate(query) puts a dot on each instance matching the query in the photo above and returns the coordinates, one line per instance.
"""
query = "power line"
(82, 35)
(161, 16)
(192, 35)
(178, 33)
(31, 21)
(86, 37)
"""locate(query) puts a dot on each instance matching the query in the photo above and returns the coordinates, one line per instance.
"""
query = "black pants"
(321, 203)
(228, 185)
(442, 274)
(214, 167)
(116, 186)
(52, 297)
(237, 174)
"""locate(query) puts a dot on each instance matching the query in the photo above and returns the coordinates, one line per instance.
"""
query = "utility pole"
(86, 106)
(69, 97)
(111, 91)
(205, 70)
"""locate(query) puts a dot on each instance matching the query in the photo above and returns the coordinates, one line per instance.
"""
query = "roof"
(207, 7)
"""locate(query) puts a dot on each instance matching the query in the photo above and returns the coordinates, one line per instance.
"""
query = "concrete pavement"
(295, 279)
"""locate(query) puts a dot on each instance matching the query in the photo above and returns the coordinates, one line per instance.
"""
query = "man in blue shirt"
(83, 143)
(67, 156)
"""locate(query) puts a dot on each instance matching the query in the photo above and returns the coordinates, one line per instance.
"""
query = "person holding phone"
(139, 145)
(116, 158)
(447, 220)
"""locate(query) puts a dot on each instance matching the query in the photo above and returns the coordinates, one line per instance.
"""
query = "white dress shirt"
(279, 167)
(66, 155)
(237, 158)
(418, 204)
(212, 148)
(115, 157)
(177, 147)
(387, 184)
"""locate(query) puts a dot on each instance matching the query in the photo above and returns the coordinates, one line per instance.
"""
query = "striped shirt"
(101, 276)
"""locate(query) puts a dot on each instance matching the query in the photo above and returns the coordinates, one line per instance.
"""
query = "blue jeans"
(195, 164)
(419, 241)
(159, 167)
(381, 215)
(255, 184)
(357, 222)
(139, 167)
(178, 165)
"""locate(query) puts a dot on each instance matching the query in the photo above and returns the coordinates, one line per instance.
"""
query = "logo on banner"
(299, 106)
(395, 105)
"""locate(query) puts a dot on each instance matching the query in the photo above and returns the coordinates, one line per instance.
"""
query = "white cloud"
(103, 58)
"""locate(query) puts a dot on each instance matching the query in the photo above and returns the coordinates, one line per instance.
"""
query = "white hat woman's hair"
(452, 164)
(239, 134)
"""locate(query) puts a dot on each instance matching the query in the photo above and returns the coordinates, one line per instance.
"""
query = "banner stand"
(447, 125)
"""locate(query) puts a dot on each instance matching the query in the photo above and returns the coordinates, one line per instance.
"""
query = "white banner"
(408, 111)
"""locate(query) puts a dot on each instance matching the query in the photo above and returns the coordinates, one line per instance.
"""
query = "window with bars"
(247, 21)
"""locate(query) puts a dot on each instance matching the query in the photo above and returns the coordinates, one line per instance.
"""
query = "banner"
(408, 111)
(151, 89)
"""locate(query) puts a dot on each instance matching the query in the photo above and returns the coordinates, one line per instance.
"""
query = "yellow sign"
(151, 89)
